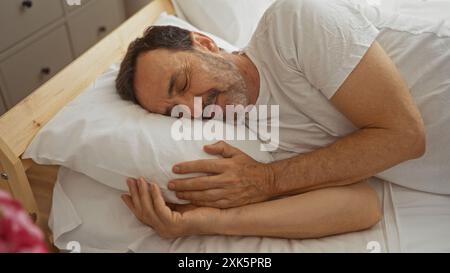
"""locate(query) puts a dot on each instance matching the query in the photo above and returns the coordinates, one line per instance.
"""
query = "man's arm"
(311, 215)
(374, 97)
(377, 100)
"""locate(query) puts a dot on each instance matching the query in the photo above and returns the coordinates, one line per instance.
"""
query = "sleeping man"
(346, 114)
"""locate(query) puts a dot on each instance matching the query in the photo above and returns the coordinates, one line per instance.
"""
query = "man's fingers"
(163, 211)
(214, 166)
(127, 200)
(145, 199)
(132, 186)
(222, 148)
(150, 214)
(197, 184)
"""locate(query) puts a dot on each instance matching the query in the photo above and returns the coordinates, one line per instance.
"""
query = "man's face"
(165, 79)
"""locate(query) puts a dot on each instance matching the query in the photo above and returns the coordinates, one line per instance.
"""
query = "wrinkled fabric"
(304, 51)
(94, 216)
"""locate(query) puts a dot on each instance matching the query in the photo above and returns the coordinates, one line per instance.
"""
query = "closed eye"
(186, 84)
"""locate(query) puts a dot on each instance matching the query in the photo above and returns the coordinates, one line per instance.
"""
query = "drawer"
(70, 8)
(2, 104)
(35, 64)
(17, 21)
(94, 22)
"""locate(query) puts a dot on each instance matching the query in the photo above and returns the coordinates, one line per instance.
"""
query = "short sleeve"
(329, 39)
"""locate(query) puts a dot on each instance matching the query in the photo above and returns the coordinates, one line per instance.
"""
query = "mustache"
(211, 97)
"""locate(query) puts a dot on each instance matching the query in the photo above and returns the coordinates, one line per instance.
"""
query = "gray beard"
(227, 73)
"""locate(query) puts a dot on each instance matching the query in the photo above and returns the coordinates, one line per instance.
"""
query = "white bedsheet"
(434, 10)
(423, 220)
(93, 215)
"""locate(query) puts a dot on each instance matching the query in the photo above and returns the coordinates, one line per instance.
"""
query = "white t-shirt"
(305, 49)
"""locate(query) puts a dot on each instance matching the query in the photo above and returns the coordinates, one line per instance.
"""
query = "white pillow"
(109, 139)
(234, 21)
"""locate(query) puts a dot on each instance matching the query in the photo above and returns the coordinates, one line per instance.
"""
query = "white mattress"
(93, 215)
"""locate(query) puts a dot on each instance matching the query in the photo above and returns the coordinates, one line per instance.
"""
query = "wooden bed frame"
(20, 125)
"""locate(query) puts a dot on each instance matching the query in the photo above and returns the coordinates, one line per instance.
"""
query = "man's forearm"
(349, 160)
(311, 215)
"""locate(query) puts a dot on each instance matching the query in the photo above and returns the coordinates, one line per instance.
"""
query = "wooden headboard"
(20, 125)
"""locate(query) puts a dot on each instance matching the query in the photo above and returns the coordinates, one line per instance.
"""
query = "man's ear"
(203, 42)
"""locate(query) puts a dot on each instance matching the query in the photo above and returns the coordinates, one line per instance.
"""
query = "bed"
(413, 221)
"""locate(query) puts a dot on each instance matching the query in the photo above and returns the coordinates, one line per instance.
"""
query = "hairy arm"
(376, 99)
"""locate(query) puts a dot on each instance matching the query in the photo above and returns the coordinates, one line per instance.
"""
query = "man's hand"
(169, 222)
(234, 181)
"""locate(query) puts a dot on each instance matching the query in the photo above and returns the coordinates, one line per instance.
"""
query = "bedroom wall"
(132, 6)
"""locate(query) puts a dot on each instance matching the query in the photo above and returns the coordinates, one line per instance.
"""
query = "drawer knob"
(102, 29)
(46, 71)
(27, 4)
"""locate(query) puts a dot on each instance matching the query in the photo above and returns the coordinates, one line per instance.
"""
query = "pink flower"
(18, 233)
